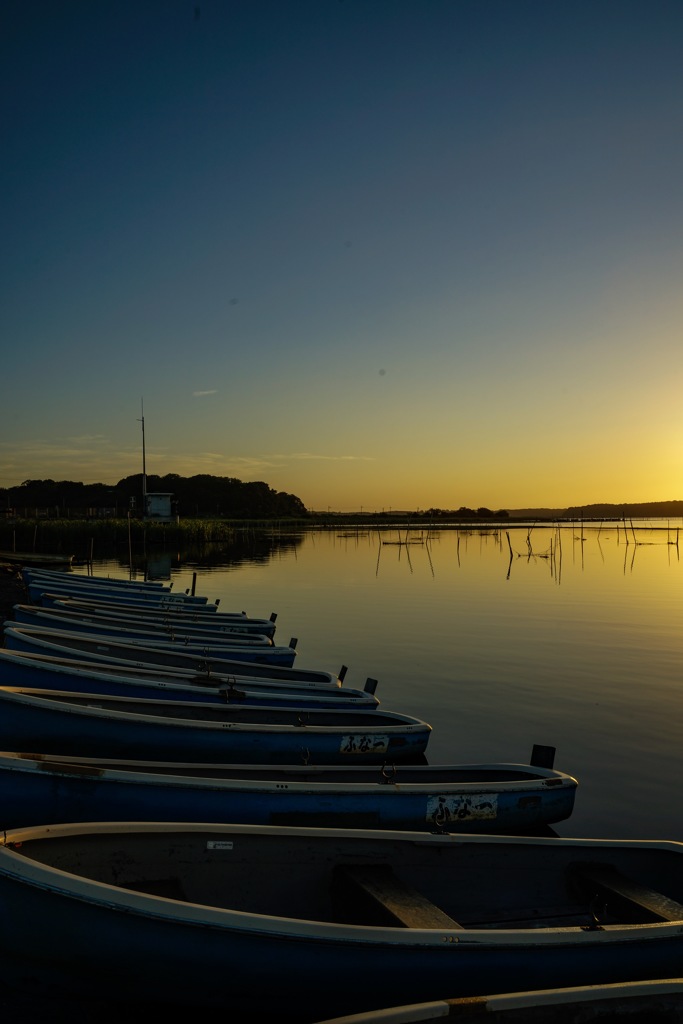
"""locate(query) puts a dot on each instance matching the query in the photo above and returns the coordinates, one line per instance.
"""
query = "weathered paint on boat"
(329, 921)
(20, 637)
(99, 725)
(42, 671)
(460, 798)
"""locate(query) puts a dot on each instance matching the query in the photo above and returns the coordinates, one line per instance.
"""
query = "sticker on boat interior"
(444, 809)
(359, 743)
(219, 844)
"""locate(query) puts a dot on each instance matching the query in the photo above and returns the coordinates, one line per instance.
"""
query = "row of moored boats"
(178, 795)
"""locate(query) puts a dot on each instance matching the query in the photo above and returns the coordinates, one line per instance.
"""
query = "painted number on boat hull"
(360, 743)
(442, 810)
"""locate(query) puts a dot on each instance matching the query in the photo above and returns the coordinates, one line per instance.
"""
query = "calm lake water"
(500, 639)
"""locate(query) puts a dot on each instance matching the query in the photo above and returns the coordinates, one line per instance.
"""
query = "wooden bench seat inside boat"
(376, 888)
(623, 896)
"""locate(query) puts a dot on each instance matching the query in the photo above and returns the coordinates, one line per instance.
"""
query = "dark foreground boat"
(461, 798)
(99, 725)
(326, 922)
(639, 1002)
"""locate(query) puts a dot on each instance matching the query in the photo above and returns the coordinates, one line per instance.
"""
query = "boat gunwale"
(208, 650)
(32, 696)
(118, 666)
(44, 763)
(41, 876)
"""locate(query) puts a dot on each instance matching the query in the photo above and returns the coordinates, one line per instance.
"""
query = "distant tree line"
(202, 496)
(467, 513)
(633, 510)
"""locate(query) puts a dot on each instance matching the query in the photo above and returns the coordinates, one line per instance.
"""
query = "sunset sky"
(376, 253)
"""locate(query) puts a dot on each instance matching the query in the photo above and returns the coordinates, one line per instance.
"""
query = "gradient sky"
(377, 253)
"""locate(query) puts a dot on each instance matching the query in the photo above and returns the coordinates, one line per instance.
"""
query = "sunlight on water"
(499, 639)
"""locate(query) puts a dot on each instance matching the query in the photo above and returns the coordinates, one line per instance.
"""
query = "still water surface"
(500, 639)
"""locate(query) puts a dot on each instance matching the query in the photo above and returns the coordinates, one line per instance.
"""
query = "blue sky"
(377, 253)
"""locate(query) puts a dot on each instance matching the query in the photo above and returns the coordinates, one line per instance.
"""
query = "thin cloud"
(307, 456)
(201, 394)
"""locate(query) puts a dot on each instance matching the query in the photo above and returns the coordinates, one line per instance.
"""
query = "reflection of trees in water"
(254, 547)
(247, 547)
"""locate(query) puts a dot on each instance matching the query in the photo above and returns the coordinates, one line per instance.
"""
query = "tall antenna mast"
(144, 470)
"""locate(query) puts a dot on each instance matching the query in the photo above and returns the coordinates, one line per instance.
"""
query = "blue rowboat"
(60, 641)
(42, 592)
(197, 616)
(172, 612)
(99, 725)
(462, 798)
(64, 617)
(19, 668)
(32, 615)
(36, 575)
(205, 675)
(635, 1001)
(101, 585)
(330, 921)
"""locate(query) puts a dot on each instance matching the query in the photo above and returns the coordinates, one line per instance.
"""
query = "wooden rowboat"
(327, 922)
